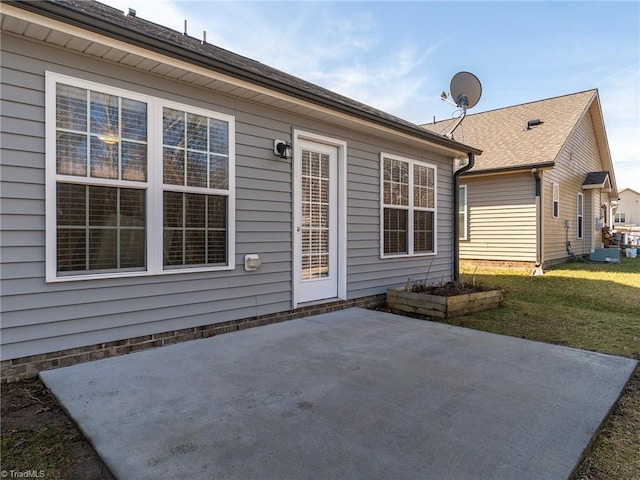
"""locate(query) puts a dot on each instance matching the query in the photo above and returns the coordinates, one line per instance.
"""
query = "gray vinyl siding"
(40, 317)
(579, 157)
(501, 218)
(367, 273)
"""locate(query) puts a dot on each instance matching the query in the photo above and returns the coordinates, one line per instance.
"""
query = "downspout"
(537, 270)
(456, 207)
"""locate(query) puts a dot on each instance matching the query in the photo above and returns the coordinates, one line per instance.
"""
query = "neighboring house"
(627, 215)
(628, 210)
(545, 179)
(156, 188)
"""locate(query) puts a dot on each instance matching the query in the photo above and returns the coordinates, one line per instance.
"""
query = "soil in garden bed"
(448, 289)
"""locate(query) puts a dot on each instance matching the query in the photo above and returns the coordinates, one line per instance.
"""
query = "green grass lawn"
(588, 306)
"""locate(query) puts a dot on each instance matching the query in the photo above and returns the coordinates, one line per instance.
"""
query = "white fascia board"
(56, 25)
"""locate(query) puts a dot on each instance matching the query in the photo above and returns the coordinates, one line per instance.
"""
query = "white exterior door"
(315, 221)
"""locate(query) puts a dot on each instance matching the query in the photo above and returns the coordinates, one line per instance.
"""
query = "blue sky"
(399, 56)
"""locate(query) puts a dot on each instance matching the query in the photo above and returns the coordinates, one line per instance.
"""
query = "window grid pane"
(423, 187)
(71, 108)
(195, 229)
(173, 166)
(423, 233)
(395, 231)
(104, 157)
(100, 228)
(396, 182)
(71, 154)
(91, 127)
(195, 150)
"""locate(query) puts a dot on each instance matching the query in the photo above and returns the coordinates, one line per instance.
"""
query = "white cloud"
(344, 53)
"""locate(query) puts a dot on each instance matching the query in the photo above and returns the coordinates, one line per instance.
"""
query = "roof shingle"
(135, 30)
(503, 136)
(596, 178)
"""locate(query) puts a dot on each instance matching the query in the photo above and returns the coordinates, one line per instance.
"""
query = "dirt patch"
(38, 439)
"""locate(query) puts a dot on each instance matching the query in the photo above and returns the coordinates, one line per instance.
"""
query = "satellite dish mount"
(466, 91)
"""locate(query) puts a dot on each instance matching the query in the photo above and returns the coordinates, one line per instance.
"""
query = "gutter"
(456, 206)
(518, 168)
(537, 270)
(101, 26)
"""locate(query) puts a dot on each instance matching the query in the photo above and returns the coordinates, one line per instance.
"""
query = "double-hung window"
(555, 208)
(135, 185)
(580, 216)
(195, 159)
(408, 204)
(462, 212)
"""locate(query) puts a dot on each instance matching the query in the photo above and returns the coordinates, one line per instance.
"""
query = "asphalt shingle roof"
(113, 22)
(503, 136)
(596, 178)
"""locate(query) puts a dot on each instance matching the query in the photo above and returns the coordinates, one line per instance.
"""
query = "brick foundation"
(27, 367)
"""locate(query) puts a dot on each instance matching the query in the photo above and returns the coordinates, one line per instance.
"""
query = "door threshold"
(319, 302)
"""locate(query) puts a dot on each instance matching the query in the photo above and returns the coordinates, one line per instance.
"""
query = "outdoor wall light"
(282, 148)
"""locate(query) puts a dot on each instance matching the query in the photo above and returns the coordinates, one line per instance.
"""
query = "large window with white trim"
(135, 184)
(408, 204)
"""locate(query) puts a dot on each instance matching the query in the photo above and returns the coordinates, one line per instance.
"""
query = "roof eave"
(605, 152)
(119, 32)
(512, 169)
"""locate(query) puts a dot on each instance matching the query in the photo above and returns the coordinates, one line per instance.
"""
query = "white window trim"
(409, 208)
(555, 188)
(154, 184)
(580, 216)
(464, 236)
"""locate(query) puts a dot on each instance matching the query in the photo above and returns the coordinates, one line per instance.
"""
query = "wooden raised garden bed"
(443, 305)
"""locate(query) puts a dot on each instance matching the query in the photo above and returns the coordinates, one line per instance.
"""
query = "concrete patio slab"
(355, 394)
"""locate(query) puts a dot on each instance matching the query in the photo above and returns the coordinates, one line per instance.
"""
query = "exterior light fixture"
(282, 149)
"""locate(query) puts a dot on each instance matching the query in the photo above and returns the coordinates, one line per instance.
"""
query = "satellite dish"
(465, 90)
